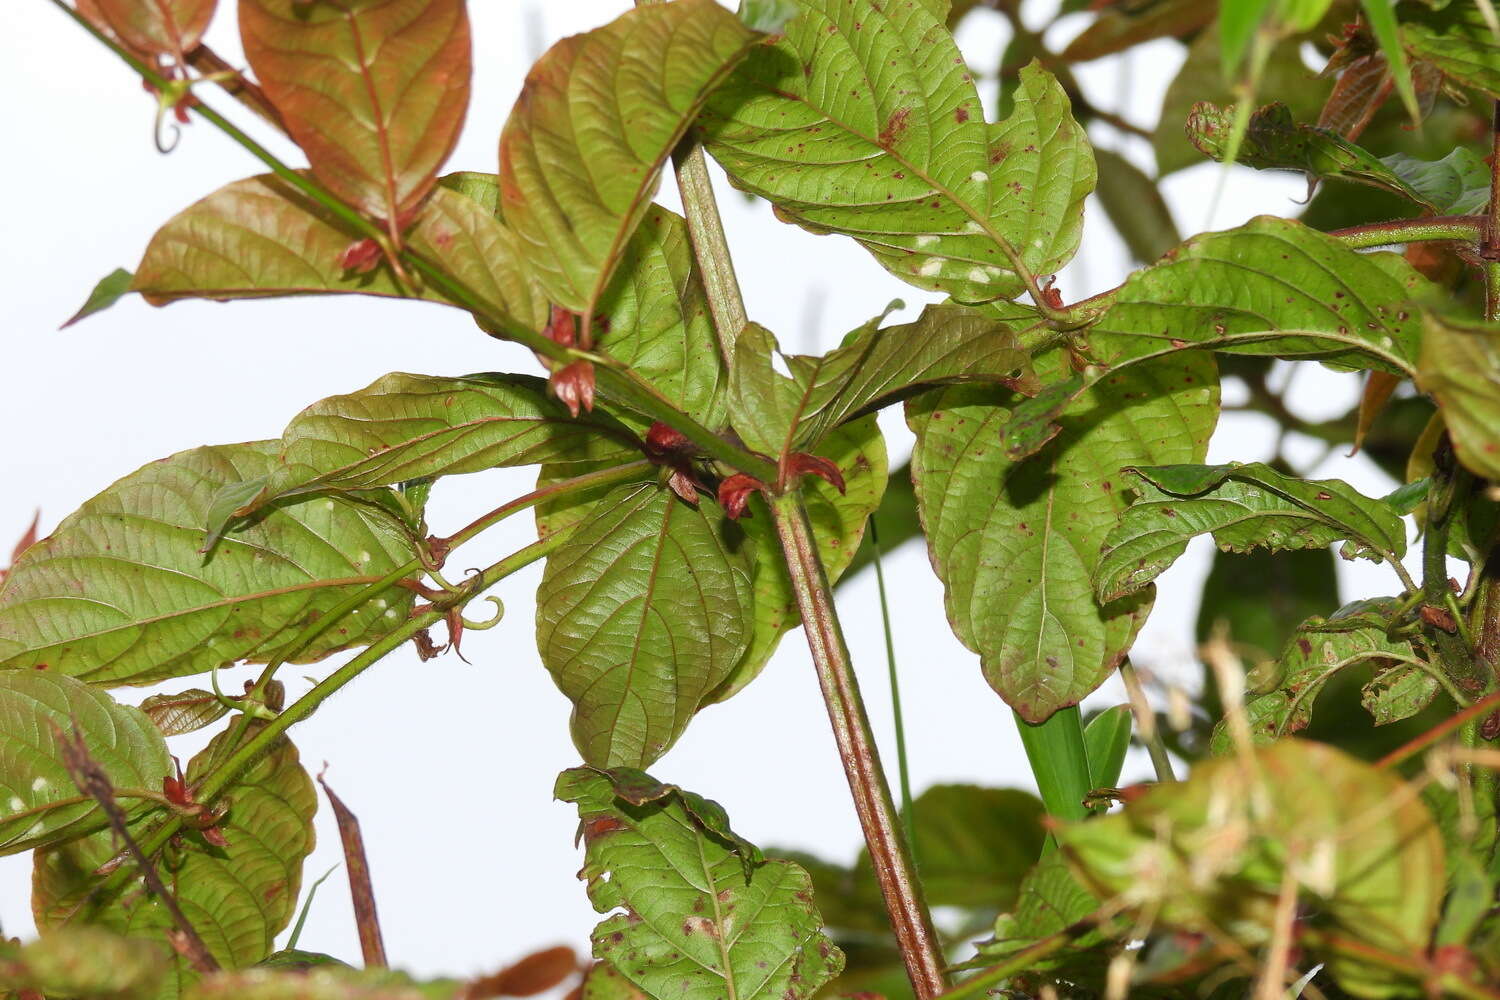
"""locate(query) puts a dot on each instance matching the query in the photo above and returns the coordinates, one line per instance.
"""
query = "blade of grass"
(296, 935)
(908, 812)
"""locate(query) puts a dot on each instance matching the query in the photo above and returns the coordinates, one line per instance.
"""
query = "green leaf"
(769, 16)
(1017, 567)
(41, 804)
(1116, 29)
(1284, 77)
(641, 613)
(1282, 701)
(237, 897)
(111, 288)
(403, 427)
(864, 120)
(375, 94)
(1276, 288)
(258, 237)
(874, 367)
(694, 927)
(153, 27)
(974, 845)
(1135, 207)
(1245, 507)
(184, 712)
(1106, 737)
(1398, 693)
(1050, 901)
(582, 152)
(1457, 40)
(86, 962)
(658, 321)
(121, 594)
(321, 984)
(1459, 183)
(1354, 837)
(1460, 368)
(838, 521)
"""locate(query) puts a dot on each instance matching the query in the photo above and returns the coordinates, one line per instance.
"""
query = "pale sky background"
(450, 766)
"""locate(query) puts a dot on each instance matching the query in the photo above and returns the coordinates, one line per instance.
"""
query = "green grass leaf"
(375, 94)
(582, 152)
(1106, 737)
(694, 926)
(237, 897)
(1244, 507)
(39, 804)
(1460, 368)
(122, 594)
(1381, 15)
(864, 120)
(1018, 567)
(640, 614)
(258, 237)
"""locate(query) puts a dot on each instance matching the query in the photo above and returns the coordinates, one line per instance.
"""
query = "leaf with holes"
(404, 427)
(238, 897)
(694, 927)
(39, 804)
(1276, 288)
(640, 614)
(872, 368)
(1354, 836)
(1460, 368)
(374, 91)
(581, 155)
(838, 521)
(864, 120)
(1282, 702)
(1018, 565)
(1245, 507)
(122, 594)
(258, 237)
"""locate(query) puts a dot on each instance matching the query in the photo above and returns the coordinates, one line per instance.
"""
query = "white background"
(450, 766)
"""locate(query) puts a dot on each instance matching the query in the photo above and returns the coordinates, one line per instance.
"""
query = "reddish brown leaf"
(684, 486)
(371, 943)
(152, 27)
(1362, 88)
(27, 541)
(664, 443)
(1378, 389)
(536, 973)
(374, 91)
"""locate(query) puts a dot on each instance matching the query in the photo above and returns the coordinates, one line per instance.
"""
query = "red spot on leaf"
(895, 128)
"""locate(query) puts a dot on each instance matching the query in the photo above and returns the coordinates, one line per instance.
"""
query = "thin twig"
(234, 83)
(1145, 722)
(92, 780)
(361, 888)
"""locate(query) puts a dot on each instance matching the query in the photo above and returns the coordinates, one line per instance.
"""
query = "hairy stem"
(710, 246)
(890, 855)
(1465, 228)
(615, 380)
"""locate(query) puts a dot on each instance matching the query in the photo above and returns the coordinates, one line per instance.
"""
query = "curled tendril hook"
(479, 626)
(254, 709)
(157, 133)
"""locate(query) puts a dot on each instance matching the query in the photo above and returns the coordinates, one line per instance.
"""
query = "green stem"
(1450, 487)
(1463, 228)
(890, 854)
(908, 811)
(1059, 762)
(618, 382)
(710, 246)
(1021, 961)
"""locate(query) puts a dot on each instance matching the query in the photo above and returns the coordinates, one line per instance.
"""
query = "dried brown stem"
(92, 780)
(357, 863)
(207, 62)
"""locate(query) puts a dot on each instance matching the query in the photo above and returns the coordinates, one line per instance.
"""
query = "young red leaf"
(152, 27)
(573, 385)
(27, 541)
(802, 464)
(734, 493)
(374, 92)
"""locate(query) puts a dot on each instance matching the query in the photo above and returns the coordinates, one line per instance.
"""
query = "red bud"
(361, 257)
(664, 442)
(573, 384)
(802, 464)
(734, 493)
(562, 327)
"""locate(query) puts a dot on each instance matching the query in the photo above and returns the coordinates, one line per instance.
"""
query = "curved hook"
(474, 626)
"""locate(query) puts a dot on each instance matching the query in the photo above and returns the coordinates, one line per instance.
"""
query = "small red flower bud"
(664, 442)
(734, 493)
(562, 327)
(573, 385)
(361, 257)
(802, 464)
